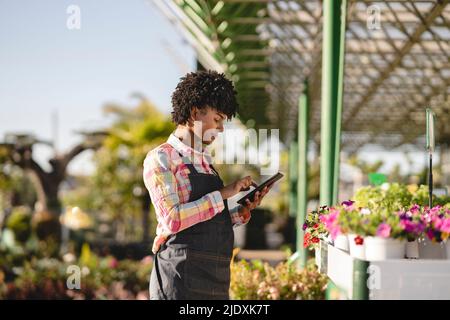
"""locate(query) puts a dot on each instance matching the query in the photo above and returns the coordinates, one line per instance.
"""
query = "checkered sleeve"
(162, 185)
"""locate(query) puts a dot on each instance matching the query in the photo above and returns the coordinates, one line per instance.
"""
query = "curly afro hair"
(203, 89)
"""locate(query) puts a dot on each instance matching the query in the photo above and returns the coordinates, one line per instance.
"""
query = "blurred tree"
(15, 187)
(365, 166)
(18, 150)
(116, 188)
(395, 175)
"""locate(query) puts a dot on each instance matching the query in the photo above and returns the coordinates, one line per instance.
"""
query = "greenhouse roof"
(397, 63)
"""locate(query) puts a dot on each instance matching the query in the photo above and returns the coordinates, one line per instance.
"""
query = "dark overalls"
(195, 263)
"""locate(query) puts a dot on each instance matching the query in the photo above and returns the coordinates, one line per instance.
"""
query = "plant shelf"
(402, 279)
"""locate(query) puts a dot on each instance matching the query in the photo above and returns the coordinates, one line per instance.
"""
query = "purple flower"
(304, 226)
(415, 208)
(408, 226)
(348, 205)
(430, 234)
(404, 216)
(384, 230)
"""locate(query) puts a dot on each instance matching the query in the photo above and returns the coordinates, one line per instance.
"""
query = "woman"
(194, 237)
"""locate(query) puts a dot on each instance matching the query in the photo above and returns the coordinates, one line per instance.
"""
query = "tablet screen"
(251, 194)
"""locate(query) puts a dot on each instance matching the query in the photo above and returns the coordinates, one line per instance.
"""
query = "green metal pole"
(340, 101)
(360, 277)
(303, 125)
(330, 84)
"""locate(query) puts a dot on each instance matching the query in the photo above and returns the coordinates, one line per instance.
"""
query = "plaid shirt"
(166, 178)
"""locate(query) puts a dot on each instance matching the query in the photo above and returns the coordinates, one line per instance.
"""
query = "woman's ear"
(193, 116)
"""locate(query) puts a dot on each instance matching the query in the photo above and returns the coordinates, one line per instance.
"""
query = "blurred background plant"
(257, 280)
(394, 196)
(107, 212)
(100, 278)
(115, 193)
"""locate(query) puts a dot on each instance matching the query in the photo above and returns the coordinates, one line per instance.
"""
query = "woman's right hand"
(236, 187)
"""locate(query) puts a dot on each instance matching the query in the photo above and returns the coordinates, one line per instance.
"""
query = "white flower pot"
(356, 250)
(378, 248)
(447, 248)
(430, 250)
(341, 242)
(317, 256)
(412, 249)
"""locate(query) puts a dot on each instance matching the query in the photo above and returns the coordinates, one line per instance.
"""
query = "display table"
(352, 278)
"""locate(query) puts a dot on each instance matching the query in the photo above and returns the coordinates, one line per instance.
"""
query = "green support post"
(302, 195)
(332, 83)
(333, 54)
(340, 101)
(360, 277)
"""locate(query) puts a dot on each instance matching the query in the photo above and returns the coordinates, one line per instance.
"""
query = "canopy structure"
(397, 63)
(343, 73)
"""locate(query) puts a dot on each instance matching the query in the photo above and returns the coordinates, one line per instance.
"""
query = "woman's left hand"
(250, 205)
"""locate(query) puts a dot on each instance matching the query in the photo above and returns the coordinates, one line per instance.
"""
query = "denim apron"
(195, 263)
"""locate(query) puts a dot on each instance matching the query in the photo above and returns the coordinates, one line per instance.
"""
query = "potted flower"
(322, 225)
(386, 237)
(332, 223)
(351, 222)
(437, 230)
(315, 232)
(374, 234)
(314, 229)
(413, 224)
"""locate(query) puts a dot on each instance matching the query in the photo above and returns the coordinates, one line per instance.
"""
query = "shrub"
(101, 278)
(20, 223)
(259, 281)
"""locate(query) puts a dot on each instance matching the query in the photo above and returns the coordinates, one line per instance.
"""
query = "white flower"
(274, 293)
(365, 211)
(69, 257)
(385, 186)
(85, 271)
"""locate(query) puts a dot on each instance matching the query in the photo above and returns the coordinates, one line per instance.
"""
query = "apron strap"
(191, 167)
(215, 171)
(188, 163)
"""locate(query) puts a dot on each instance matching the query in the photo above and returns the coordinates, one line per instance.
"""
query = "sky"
(122, 47)
(47, 68)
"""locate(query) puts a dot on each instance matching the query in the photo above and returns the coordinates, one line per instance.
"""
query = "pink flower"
(113, 263)
(384, 230)
(331, 222)
(434, 212)
(412, 227)
(147, 260)
(445, 227)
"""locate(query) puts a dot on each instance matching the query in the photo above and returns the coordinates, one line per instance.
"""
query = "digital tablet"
(251, 194)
